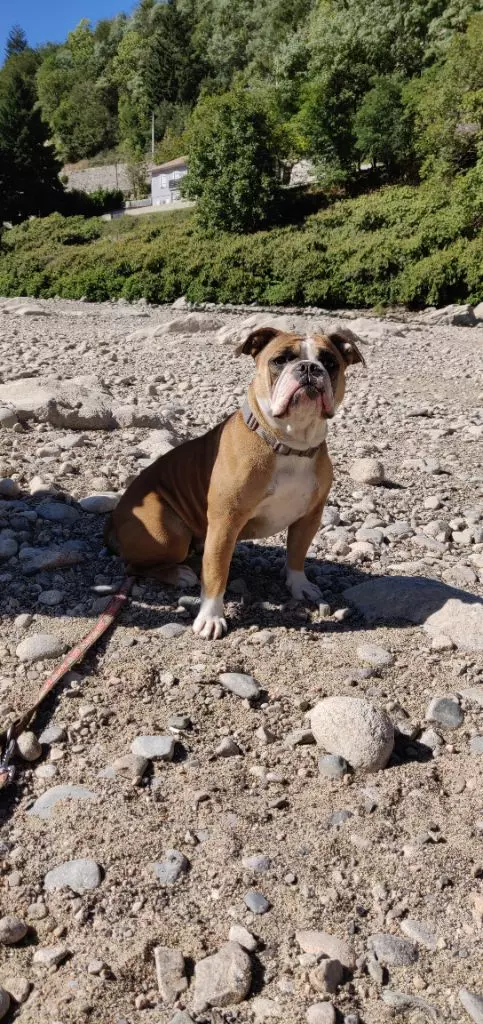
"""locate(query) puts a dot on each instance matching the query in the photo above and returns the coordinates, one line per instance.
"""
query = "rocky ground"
(323, 892)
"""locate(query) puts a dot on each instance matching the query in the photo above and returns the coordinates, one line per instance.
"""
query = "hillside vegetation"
(402, 244)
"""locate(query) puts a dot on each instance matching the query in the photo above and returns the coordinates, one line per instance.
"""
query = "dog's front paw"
(210, 623)
(301, 588)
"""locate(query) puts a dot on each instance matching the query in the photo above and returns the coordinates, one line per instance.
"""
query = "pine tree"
(29, 182)
(16, 42)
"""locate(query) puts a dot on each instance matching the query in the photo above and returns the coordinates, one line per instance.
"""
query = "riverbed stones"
(393, 950)
(367, 471)
(39, 647)
(222, 979)
(354, 729)
(445, 712)
(171, 867)
(472, 1003)
(320, 1013)
(81, 875)
(154, 748)
(241, 685)
(170, 973)
(28, 746)
(12, 930)
(44, 804)
(320, 943)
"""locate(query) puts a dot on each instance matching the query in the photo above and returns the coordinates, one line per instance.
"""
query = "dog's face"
(300, 381)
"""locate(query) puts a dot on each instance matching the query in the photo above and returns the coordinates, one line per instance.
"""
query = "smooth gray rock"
(324, 944)
(9, 488)
(51, 598)
(453, 315)
(154, 748)
(8, 418)
(50, 956)
(173, 865)
(238, 933)
(445, 712)
(12, 930)
(171, 630)
(52, 734)
(320, 1013)
(440, 609)
(367, 471)
(241, 685)
(256, 902)
(259, 863)
(376, 657)
(57, 512)
(472, 1003)
(476, 745)
(28, 746)
(8, 548)
(222, 979)
(419, 932)
(44, 804)
(80, 875)
(354, 729)
(36, 559)
(333, 766)
(392, 950)
(80, 403)
(99, 504)
(39, 647)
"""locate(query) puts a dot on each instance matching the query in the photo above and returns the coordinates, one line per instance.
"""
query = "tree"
(232, 152)
(447, 105)
(382, 126)
(16, 42)
(29, 182)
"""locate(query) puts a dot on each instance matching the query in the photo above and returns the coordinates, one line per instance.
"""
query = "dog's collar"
(277, 446)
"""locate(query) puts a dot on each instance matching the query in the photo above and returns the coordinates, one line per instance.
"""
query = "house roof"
(171, 165)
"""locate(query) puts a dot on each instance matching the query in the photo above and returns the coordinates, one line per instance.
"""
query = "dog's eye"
(284, 357)
(329, 362)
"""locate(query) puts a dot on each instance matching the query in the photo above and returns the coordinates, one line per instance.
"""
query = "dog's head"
(300, 381)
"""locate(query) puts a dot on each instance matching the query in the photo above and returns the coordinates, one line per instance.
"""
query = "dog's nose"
(308, 369)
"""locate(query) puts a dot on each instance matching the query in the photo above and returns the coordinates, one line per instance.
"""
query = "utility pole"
(152, 134)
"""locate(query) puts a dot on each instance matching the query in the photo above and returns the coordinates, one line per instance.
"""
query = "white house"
(165, 181)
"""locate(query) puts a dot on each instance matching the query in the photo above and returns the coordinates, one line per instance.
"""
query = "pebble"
(57, 512)
(228, 748)
(12, 930)
(52, 734)
(80, 875)
(18, 987)
(222, 979)
(131, 766)
(265, 1009)
(327, 976)
(259, 863)
(367, 471)
(472, 1003)
(445, 712)
(95, 967)
(419, 932)
(320, 1013)
(8, 548)
(476, 745)
(244, 938)
(392, 950)
(4, 1002)
(39, 646)
(46, 802)
(324, 944)
(376, 657)
(256, 902)
(9, 488)
(99, 503)
(169, 869)
(8, 417)
(171, 630)
(28, 746)
(51, 598)
(50, 956)
(333, 766)
(154, 748)
(170, 973)
(355, 729)
(241, 685)
(23, 621)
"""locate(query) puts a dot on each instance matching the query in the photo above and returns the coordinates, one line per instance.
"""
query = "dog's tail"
(110, 539)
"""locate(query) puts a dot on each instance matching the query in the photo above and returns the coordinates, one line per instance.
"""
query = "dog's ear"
(347, 344)
(256, 340)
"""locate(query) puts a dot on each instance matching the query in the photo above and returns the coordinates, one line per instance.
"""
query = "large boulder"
(451, 316)
(81, 403)
(440, 609)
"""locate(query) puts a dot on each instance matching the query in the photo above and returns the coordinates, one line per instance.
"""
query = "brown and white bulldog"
(262, 470)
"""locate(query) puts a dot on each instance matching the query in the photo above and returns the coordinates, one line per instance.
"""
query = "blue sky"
(51, 20)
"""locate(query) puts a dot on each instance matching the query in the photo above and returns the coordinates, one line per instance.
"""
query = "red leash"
(75, 655)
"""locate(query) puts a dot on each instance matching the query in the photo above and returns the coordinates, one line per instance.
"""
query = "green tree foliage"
(447, 104)
(232, 163)
(29, 182)
(16, 42)
(383, 127)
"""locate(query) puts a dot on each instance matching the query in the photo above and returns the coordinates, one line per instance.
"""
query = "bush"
(406, 245)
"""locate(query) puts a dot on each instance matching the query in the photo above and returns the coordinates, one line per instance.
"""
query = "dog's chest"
(289, 495)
